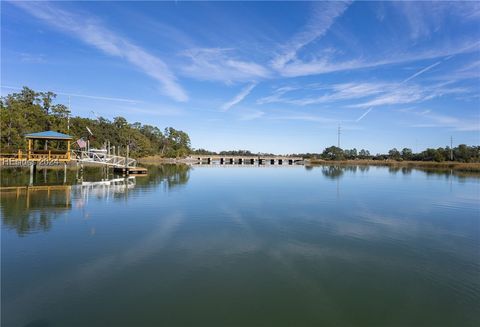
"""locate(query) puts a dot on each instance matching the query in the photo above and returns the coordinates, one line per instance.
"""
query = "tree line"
(29, 111)
(245, 153)
(460, 153)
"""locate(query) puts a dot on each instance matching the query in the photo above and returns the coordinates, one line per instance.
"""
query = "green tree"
(407, 154)
(364, 154)
(333, 153)
(394, 154)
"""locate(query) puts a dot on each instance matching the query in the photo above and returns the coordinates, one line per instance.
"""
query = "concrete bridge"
(245, 160)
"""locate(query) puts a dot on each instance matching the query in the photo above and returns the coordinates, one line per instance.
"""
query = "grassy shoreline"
(159, 160)
(450, 165)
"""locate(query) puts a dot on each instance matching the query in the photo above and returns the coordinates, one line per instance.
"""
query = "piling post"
(126, 160)
(32, 172)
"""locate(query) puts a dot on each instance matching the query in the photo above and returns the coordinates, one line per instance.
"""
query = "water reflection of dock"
(20, 191)
(105, 187)
(114, 185)
(34, 207)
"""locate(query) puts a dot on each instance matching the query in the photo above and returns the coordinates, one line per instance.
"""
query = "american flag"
(81, 143)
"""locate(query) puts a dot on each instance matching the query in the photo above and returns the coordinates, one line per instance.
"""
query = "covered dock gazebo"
(61, 153)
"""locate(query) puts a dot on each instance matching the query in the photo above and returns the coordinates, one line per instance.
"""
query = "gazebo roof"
(51, 135)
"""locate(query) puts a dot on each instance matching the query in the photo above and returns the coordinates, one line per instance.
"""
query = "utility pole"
(68, 115)
(338, 135)
(451, 148)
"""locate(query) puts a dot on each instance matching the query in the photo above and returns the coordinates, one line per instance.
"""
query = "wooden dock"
(130, 170)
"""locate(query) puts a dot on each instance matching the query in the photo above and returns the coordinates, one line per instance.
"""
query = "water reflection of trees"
(337, 171)
(171, 175)
(34, 208)
(333, 172)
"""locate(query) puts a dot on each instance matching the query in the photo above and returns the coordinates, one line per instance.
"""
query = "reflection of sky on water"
(298, 224)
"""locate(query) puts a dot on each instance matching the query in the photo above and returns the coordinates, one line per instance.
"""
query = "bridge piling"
(246, 160)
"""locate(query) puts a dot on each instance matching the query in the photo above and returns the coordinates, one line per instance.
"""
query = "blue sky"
(265, 76)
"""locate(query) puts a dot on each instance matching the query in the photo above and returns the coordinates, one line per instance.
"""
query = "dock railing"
(103, 158)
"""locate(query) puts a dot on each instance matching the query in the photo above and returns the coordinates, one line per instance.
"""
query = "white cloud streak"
(324, 16)
(367, 94)
(251, 115)
(364, 114)
(219, 64)
(395, 94)
(423, 18)
(93, 33)
(420, 72)
(331, 93)
(319, 66)
(77, 95)
(239, 97)
(306, 117)
(435, 120)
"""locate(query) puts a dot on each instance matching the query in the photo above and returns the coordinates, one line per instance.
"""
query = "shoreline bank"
(449, 165)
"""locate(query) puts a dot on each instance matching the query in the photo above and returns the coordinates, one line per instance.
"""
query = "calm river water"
(244, 246)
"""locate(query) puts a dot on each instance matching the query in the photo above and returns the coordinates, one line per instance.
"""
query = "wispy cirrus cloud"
(395, 94)
(325, 65)
(239, 97)
(328, 93)
(422, 18)
(305, 117)
(221, 64)
(251, 115)
(436, 120)
(79, 95)
(468, 71)
(93, 33)
(324, 15)
(426, 17)
(276, 96)
(32, 58)
(364, 94)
